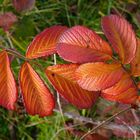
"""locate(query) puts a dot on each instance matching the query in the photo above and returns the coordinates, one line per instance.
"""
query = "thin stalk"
(40, 11)
(106, 121)
(13, 52)
(11, 44)
(58, 97)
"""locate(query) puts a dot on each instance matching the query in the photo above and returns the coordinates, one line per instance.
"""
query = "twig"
(110, 126)
(65, 128)
(40, 11)
(13, 52)
(58, 97)
(11, 44)
(129, 127)
(105, 121)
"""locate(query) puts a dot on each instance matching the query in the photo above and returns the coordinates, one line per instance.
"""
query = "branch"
(13, 52)
(111, 126)
(106, 121)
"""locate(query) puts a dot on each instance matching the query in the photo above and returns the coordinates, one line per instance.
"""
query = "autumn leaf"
(23, 5)
(37, 97)
(7, 20)
(135, 63)
(63, 79)
(121, 35)
(124, 91)
(44, 43)
(98, 76)
(80, 45)
(8, 90)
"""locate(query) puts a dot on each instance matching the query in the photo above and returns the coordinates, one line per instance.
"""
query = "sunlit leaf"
(8, 89)
(37, 97)
(7, 20)
(135, 63)
(98, 76)
(79, 45)
(23, 5)
(44, 43)
(124, 91)
(63, 79)
(121, 35)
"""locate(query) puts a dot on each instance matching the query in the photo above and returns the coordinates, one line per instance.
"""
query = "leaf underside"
(63, 80)
(8, 90)
(37, 97)
(80, 45)
(44, 44)
(98, 76)
(121, 35)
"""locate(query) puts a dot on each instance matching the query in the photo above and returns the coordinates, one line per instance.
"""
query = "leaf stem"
(11, 44)
(13, 52)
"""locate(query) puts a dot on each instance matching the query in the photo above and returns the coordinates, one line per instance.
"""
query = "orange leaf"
(135, 63)
(121, 35)
(124, 91)
(44, 43)
(23, 5)
(37, 97)
(98, 76)
(138, 85)
(80, 45)
(8, 89)
(63, 79)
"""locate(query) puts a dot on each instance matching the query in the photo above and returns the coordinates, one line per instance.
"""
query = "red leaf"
(124, 91)
(37, 97)
(7, 20)
(8, 89)
(44, 43)
(23, 5)
(135, 63)
(63, 79)
(98, 76)
(121, 35)
(80, 45)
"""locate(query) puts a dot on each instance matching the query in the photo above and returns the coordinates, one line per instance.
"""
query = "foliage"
(102, 70)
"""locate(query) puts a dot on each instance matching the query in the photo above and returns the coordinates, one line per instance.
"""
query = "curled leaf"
(23, 5)
(80, 45)
(124, 91)
(98, 76)
(135, 63)
(121, 35)
(8, 90)
(44, 43)
(7, 20)
(37, 97)
(63, 79)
